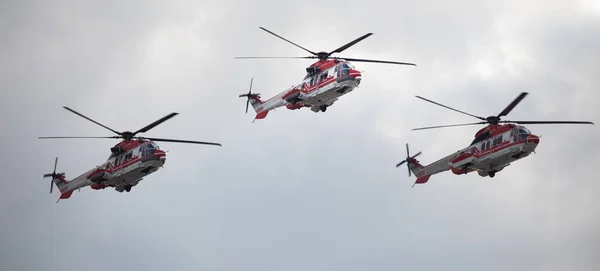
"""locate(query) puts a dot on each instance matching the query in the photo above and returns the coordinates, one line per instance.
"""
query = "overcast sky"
(298, 190)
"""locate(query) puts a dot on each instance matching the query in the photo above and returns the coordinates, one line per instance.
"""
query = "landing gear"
(492, 174)
(128, 188)
(323, 108)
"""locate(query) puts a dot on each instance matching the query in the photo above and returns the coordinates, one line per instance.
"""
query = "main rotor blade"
(512, 105)
(547, 122)
(255, 57)
(79, 114)
(452, 125)
(339, 50)
(373, 61)
(287, 40)
(413, 157)
(401, 163)
(481, 118)
(54, 137)
(154, 124)
(180, 141)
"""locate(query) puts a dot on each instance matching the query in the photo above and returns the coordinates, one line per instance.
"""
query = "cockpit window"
(149, 148)
(523, 133)
(346, 68)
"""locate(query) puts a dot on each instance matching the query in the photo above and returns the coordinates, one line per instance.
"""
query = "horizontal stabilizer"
(422, 180)
(261, 115)
(66, 195)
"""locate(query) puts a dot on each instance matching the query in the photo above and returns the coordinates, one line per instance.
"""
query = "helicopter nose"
(533, 139)
(356, 74)
(162, 155)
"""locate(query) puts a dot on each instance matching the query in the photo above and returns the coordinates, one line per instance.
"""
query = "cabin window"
(118, 160)
(128, 156)
(324, 76)
(497, 140)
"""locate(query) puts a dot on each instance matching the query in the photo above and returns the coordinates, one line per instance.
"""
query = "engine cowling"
(99, 175)
(294, 96)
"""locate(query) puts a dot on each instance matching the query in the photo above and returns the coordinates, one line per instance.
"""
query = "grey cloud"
(297, 190)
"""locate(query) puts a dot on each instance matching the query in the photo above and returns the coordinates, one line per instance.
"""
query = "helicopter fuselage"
(328, 81)
(499, 146)
(128, 164)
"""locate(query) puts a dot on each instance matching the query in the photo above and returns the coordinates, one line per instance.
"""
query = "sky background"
(298, 190)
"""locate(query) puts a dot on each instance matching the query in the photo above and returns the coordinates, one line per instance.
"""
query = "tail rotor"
(249, 95)
(409, 159)
(54, 175)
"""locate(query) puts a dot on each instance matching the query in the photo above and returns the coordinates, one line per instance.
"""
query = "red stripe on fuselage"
(504, 145)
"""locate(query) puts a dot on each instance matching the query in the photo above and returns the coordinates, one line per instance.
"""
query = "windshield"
(148, 148)
(523, 133)
(346, 68)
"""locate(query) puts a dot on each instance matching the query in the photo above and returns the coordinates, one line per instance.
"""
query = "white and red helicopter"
(326, 80)
(130, 161)
(494, 147)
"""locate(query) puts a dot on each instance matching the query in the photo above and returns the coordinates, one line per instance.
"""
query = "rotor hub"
(493, 120)
(127, 135)
(322, 55)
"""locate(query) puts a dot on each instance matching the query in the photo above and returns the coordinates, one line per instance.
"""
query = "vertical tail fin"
(414, 167)
(254, 99)
(59, 180)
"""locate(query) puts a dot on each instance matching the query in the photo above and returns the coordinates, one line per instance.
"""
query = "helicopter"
(325, 82)
(495, 146)
(129, 162)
